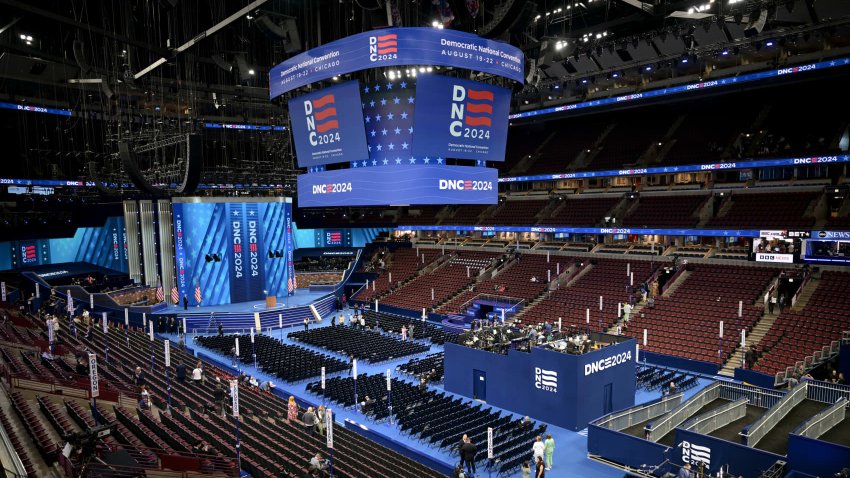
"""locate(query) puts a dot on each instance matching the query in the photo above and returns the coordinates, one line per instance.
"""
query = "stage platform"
(302, 297)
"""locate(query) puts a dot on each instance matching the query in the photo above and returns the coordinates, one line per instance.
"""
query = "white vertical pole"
(467, 271)
(743, 338)
(548, 275)
(432, 293)
(558, 268)
(559, 325)
(619, 309)
(600, 303)
(91, 301)
(390, 277)
(376, 305)
(628, 268)
(740, 308)
(547, 256)
(144, 320)
(645, 335)
(721, 329)
(373, 286)
(632, 279)
(424, 315)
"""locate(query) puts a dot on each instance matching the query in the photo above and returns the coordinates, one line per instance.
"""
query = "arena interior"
(425, 238)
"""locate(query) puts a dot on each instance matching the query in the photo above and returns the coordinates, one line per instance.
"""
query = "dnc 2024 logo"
(384, 47)
(322, 121)
(695, 454)
(546, 380)
(472, 113)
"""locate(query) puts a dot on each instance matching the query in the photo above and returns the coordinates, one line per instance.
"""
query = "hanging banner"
(329, 425)
(395, 47)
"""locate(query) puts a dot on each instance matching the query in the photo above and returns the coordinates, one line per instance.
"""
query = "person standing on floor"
(548, 451)
(291, 409)
(306, 324)
(540, 468)
(537, 449)
(404, 333)
(526, 469)
(467, 452)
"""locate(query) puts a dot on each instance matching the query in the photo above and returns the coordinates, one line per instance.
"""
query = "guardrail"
(631, 416)
(717, 418)
(654, 431)
(759, 397)
(823, 421)
(19, 470)
(826, 392)
(755, 432)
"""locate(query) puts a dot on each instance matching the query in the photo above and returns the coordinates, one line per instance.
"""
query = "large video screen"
(462, 119)
(236, 251)
(327, 126)
(104, 246)
(399, 185)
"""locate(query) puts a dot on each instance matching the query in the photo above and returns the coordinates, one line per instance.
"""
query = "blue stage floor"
(301, 297)
(570, 458)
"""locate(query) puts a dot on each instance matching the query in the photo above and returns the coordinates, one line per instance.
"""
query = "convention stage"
(302, 297)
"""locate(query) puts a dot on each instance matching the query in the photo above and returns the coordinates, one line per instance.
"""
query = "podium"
(271, 301)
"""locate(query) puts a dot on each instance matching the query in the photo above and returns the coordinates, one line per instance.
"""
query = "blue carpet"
(570, 458)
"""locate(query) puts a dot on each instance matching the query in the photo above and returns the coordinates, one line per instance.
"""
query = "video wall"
(234, 251)
(421, 139)
(335, 237)
(104, 246)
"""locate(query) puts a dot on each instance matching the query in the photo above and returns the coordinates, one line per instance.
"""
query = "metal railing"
(826, 392)
(759, 397)
(655, 431)
(717, 418)
(17, 464)
(823, 421)
(755, 432)
(626, 418)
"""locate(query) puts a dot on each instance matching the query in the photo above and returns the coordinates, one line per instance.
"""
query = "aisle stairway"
(676, 283)
(21, 430)
(753, 338)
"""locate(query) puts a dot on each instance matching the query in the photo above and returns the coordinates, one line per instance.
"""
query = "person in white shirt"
(362, 322)
(197, 374)
(627, 310)
(537, 448)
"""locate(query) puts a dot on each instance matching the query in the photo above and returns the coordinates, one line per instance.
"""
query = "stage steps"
(755, 336)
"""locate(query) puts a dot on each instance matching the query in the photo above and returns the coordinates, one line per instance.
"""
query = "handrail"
(643, 413)
(812, 427)
(755, 432)
(707, 422)
(16, 459)
(655, 431)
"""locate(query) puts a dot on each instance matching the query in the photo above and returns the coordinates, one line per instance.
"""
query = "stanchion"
(389, 397)
(150, 336)
(167, 346)
(354, 374)
(234, 395)
(95, 389)
(254, 350)
(127, 326)
(323, 386)
(105, 338)
(329, 426)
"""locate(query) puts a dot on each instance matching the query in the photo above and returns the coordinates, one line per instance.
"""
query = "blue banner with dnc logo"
(458, 118)
(396, 47)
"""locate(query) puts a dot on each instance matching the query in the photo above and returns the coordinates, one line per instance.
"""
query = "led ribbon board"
(395, 47)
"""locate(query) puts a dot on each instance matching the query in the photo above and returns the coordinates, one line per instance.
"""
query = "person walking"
(321, 416)
(771, 304)
(548, 451)
(218, 396)
(309, 420)
(467, 452)
(306, 324)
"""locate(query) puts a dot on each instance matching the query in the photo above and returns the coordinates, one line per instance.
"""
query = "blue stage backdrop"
(105, 246)
(554, 387)
(463, 119)
(241, 234)
(327, 126)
